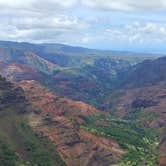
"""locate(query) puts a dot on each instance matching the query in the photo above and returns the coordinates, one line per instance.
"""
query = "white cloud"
(53, 5)
(39, 20)
(126, 5)
(37, 4)
(138, 33)
(52, 22)
(78, 22)
(32, 29)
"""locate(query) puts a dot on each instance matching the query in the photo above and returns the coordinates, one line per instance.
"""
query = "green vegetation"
(7, 156)
(18, 137)
(141, 115)
(139, 141)
(40, 65)
(89, 79)
(19, 144)
(42, 152)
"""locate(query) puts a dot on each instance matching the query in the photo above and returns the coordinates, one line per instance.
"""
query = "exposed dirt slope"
(18, 72)
(58, 121)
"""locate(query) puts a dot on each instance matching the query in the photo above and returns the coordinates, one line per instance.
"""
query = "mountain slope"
(145, 105)
(142, 97)
(20, 56)
(76, 128)
(58, 121)
(19, 144)
(146, 73)
(18, 72)
(40, 134)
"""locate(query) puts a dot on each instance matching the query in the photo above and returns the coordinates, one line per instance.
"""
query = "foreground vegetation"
(19, 144)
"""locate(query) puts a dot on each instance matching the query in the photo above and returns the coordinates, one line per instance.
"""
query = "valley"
(63, 105)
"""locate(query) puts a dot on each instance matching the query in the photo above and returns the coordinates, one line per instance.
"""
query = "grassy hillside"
(139, 142)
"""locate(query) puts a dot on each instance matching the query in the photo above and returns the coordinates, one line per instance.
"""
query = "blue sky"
(104, 24)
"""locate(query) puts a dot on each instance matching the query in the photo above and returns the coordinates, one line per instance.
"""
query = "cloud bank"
(126, 5)
(91, 23)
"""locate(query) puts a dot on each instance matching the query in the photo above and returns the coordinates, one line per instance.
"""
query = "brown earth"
(58, 118)
(49, 102)
(18, 72)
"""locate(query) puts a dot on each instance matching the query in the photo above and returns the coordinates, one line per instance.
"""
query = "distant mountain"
(78, 73)
(70, 71)
(149, 72)
(68, 56)
(16, 55)
(52, 48)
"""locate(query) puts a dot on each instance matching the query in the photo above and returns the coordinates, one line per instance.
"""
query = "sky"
(126, 25)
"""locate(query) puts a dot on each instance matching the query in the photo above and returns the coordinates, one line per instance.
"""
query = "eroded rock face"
(58, 121)
(18, 72)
